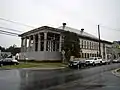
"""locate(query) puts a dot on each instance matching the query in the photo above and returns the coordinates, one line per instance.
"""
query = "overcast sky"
(76, 13)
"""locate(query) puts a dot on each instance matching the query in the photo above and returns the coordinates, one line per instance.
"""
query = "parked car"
(8, 61)
(116, 60)
(94, 61)
(77, 63)
(73, 64)
(109, 61)
(104, 62)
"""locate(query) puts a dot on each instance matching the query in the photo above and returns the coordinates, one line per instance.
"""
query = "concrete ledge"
(116, 73)
(41, 61)
(35, 68)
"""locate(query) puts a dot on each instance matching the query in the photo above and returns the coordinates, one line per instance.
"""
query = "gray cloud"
(76, 13)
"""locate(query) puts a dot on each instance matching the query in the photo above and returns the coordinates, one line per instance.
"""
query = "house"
(44, 43)
(4, 54)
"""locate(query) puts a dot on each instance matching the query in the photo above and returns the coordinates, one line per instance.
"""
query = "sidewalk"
(34, 68)
(116, 73)
(37, 68)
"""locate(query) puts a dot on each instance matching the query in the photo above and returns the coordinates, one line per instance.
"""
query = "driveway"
(94, 78)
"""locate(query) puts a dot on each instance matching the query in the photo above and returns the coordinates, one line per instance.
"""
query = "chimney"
(82, 30)
(64, 24)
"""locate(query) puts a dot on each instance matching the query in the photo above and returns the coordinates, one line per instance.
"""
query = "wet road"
(95, 78)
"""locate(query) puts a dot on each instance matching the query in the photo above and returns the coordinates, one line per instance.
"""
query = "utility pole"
(99, 40)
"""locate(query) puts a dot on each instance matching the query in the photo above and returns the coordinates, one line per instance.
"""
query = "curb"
(115, 72)
(34, 68)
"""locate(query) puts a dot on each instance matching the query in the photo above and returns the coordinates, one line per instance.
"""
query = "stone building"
(44, 43)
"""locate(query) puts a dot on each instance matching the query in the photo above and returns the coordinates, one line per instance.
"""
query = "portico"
(43, 41)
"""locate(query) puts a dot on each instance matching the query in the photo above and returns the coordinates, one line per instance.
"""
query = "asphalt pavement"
(94, 78)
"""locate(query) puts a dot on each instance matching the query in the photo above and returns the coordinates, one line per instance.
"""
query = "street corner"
(116, 72)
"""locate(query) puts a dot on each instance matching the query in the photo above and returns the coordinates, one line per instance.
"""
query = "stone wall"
(40, 55)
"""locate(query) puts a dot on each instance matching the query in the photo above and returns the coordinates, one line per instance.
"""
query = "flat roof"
(85, 35)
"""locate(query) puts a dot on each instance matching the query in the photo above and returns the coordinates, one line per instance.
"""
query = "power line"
(16, 22)
(9, 32)
(34, 27)
(11, 29)
(110, 28)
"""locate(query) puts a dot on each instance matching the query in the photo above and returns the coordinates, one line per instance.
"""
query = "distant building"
(5, 54)
(116, 49)
(44, 43)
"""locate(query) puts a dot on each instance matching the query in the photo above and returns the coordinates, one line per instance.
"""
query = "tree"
(71, 45)
(2, 49)
(116, 49)
(13, 49)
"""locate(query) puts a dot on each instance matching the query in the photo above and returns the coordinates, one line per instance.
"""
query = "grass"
(32, 65)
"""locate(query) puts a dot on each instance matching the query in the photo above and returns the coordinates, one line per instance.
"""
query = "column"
(29, 47)
(33, 48)
(39, 42)
(60, 43)
(50, 45)
(22, 45)
(45, 40)
(106, 52)
(25, 47)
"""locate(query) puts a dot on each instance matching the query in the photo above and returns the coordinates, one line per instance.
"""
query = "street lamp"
(63, 56)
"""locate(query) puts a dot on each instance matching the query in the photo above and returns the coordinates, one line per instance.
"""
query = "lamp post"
(63, 56)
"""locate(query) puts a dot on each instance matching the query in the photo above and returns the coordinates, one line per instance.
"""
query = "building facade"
(116, 49)
(45, 43)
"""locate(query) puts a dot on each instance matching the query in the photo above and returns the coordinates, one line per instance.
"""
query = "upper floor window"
(87, 44)
(84, 44)
(90, 45)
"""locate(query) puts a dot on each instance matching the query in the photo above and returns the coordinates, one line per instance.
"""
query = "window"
(90, 45)
(87, 44)
(36, 42)
(88, 55)
(82, 43)
(95, 59)
(82, 55)
(97, 46)
(42, 46)
(85, 55)
(93, 45)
